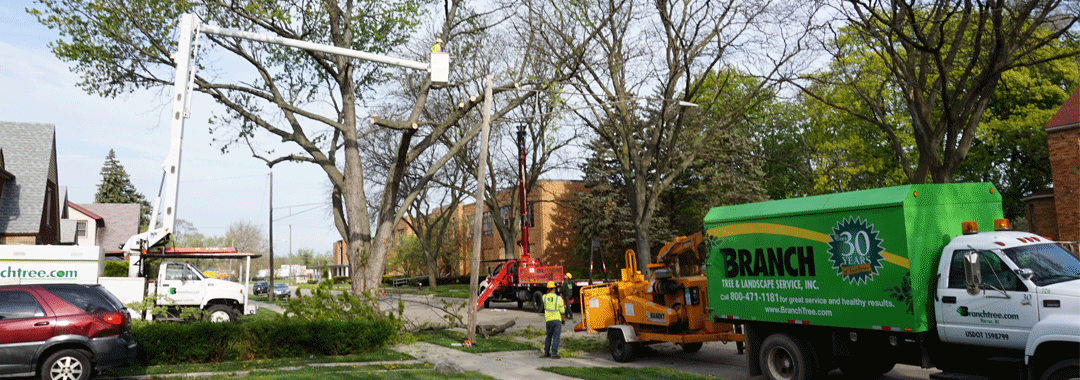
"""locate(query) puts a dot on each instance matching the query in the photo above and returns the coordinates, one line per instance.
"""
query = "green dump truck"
(925, 275)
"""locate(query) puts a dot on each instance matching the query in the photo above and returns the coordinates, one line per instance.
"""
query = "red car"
(62, 331)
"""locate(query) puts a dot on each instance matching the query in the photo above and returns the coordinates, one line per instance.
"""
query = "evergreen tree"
(116, 187)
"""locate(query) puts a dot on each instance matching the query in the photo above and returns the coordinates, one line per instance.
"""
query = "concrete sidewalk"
(500, 365)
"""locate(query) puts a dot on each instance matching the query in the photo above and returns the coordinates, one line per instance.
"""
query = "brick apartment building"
(550, 235)
(1055, 213)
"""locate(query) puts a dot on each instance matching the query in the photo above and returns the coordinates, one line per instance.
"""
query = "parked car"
(281, 290)
(260, 287)
(62, 331)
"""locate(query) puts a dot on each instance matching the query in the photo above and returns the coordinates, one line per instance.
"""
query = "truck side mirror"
(972, 272)
(1025, 273)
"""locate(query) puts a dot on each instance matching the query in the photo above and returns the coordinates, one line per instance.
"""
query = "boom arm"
(157, 235)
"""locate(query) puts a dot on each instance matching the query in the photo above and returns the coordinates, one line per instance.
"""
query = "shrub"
(205, 342)
(115, 269)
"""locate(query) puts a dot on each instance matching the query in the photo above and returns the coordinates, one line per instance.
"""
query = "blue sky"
(216, 189)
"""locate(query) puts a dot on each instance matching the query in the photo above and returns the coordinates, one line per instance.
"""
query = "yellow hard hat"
(551, 284)
(569, 276)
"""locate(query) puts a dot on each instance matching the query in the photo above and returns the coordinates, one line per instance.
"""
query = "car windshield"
(278, 285)
(1050, 263)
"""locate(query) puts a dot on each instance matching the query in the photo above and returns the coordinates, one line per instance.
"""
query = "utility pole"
(270, 289)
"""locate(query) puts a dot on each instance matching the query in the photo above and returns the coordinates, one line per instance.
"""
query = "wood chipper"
(636, 311)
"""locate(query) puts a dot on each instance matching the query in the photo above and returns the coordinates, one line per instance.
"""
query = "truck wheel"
(621, 350)
(691, 347)
(220, 313)
(487, 304)
(1062, 370)
(784, 357)
(66, 365)
(863, 367)
(538, 301)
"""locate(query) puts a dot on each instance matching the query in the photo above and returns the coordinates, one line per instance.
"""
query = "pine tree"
(116, 187)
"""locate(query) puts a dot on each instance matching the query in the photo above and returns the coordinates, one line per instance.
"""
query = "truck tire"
(864, 367)
(621, 350)
(538, 301)
(1062, 370)
(220, 313)
(691, 347)
(784, 357)
(67, 365)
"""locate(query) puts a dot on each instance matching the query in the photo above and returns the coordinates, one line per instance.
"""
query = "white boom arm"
(438, 69)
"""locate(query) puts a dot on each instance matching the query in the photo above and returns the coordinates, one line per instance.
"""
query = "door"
(24, 327)
(1000, 314)
(181, 285)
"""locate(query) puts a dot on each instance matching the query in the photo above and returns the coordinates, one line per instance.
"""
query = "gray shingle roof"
(121, 222)
(30, 155)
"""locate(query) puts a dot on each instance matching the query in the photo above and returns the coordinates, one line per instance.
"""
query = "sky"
(216, 189)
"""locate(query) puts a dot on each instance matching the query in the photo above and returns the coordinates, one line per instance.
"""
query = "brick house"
(551, 232)
(1055, 213)
(30, 197)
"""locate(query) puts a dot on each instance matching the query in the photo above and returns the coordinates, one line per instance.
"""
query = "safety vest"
(553, 307)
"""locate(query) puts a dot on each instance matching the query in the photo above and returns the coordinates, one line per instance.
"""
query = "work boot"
(547, 354)
(556, 356)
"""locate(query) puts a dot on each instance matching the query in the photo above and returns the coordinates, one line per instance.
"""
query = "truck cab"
(183, 285)
(1008, 295)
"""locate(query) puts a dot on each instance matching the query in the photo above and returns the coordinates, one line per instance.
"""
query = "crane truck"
(525, 278)
(925, 275)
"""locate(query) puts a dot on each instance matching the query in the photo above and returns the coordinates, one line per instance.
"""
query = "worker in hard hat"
(567, 290)
(553, 311)
(437, 48)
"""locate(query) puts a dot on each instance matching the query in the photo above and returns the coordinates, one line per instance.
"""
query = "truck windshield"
(1050, 263)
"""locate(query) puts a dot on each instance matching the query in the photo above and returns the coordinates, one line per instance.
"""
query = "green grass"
(587, 344)
(390, 371)
(261, 314)
(454, 339)
(380, 354)
(624, 373)
(448, 291)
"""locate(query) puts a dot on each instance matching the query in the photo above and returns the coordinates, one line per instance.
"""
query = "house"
(30, 211)
(1055, 213)
(107, 225)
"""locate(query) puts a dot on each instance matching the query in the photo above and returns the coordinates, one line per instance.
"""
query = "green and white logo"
(855, 250)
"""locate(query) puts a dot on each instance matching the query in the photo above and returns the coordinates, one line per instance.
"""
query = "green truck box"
(863, 280)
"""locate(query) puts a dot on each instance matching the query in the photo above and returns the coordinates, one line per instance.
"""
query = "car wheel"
(66, 365)
(691, 347)
(1062, 370)
(220, 313)
(784, 357)
(621, 350)
(538, 301)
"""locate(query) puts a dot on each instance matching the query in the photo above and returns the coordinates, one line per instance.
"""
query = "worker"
(553, 311)
(568, 295)
(438, 46)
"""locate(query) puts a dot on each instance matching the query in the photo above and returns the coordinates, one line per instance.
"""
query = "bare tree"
(939, 63)
(639, 64)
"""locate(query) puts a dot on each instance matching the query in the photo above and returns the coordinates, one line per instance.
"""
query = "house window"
(80, 228)
(487, 224)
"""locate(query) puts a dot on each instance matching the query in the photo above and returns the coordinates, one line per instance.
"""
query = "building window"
(80, 228)
(504, 212)
(532, 214)
(487, 224)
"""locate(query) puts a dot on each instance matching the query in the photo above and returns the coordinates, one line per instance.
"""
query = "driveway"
(715, 359)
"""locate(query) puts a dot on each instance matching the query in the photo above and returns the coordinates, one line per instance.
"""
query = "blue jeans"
(551, 342)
